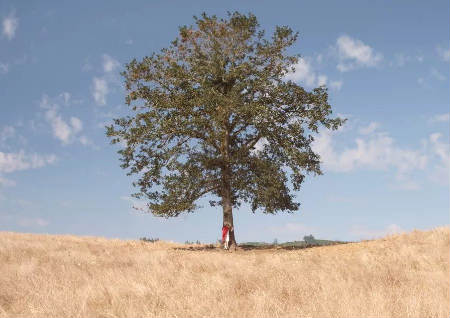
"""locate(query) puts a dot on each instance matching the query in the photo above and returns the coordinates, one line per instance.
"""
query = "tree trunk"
(228, 215)
(227, 204)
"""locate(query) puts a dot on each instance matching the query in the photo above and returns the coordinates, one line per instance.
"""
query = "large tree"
(213, 113)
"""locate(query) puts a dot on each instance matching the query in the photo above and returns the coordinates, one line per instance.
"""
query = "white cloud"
(441, 150)
(322, 80)
(369, 129)
(6, 133)
(259, 146)
(336, 85)
(404, 182)
(100, 90)
(353, 53)
(32, 222)
(10, 139)
(85, 141)
(304, 73)
(10, 162)
(10, 24)
(441, 118)
(319, 58)
(65, 131)
(374, 151)
(129, 42)
(109, 63)
(444, 54)
(123, 143)
(101, 84)
(61, 129)
(401, 59)
(436, 74)
(4, 68)
(6, 182)
(363, 233)
(76, 123)
(66, 97)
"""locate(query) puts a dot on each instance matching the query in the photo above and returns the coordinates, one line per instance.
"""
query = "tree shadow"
(246, 247)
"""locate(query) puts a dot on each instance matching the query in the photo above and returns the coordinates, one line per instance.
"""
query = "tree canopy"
(214, 113)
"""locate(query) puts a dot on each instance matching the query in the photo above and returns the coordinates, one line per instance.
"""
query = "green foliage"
(310, 240)
(199, 108)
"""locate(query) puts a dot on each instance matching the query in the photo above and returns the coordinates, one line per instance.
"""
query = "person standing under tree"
(226, 228)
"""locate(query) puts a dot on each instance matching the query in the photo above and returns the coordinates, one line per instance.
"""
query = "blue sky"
(386, 65)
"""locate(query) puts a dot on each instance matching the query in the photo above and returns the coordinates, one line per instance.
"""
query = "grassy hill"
(405, 275)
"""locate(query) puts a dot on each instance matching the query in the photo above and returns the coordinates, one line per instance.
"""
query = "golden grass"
(67, 276)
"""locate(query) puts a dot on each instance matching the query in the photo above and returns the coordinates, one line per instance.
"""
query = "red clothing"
(225, 230)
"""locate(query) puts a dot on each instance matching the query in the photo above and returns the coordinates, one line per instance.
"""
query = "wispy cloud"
(353, 53)
(65, 130)
(4, 68)
(441, 150)
(369, 129)
(373, 151)
(100, 84)
(6, 182)
(259, 146)
(304, 73)
(11, 162)
(336, 85)
(7, 132)
(362, 232)
(401, 59)
(100, 90)
(440, 118)
(10, 24)
(376, 150)
(32, 222)
(437, 75)
(109, 64)
(444, 54)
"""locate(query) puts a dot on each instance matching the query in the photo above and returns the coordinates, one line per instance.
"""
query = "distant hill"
(291, 245)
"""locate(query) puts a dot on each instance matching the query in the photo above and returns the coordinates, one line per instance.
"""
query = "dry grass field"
(403, 275)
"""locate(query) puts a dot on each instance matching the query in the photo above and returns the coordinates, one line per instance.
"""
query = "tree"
(310, 240)
(213, 113)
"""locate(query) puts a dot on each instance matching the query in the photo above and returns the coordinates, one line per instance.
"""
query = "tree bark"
(227, 205)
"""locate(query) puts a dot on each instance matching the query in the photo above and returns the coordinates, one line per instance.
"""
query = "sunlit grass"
(405, 275)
